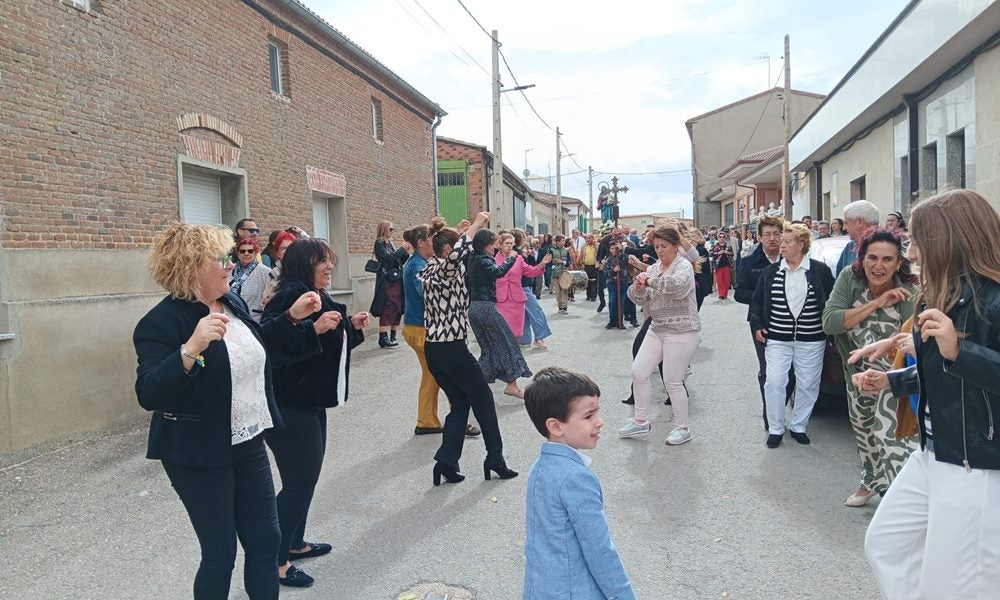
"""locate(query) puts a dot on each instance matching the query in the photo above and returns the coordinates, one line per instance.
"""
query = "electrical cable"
(476, 20)
(441, 27)
(430, 33)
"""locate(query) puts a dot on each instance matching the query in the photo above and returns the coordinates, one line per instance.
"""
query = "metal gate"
(453, 191)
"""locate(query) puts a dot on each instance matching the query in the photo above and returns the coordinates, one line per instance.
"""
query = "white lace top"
(250, 415)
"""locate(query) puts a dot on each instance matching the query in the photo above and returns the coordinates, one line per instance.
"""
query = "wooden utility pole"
(786, 192)
(496, 178)
(559, 217)
(590, 198)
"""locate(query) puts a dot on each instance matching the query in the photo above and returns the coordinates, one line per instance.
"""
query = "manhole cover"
(436, 591)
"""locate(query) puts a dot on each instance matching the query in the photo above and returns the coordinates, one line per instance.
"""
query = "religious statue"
(605, 206)
(773, 211)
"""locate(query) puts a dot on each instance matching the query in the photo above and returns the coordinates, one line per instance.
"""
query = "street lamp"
(526, 171)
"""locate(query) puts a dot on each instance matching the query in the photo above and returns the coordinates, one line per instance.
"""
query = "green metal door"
(453, 191)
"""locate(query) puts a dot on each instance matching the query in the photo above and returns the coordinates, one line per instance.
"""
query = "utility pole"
(559, 218)
(496, 180)
(590, 198)
(786, 193)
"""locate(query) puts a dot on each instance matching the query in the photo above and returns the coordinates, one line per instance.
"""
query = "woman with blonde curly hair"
(205, 375)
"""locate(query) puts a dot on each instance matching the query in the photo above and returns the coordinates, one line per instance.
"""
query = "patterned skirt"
(500, 356)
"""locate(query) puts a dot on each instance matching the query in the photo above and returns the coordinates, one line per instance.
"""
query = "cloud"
(618, 79)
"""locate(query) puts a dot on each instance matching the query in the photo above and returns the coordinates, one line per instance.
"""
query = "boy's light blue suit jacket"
(568, 549)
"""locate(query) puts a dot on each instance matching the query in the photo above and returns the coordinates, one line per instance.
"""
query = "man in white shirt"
(578, 240)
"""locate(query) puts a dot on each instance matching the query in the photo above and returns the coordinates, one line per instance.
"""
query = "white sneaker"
(678, 436)
(632, 427)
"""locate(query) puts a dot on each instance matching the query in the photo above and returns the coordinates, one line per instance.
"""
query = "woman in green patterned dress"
(869, 302)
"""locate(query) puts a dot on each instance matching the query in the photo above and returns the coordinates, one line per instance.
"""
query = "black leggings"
(298, 450)
(457, 372)
(226, 502)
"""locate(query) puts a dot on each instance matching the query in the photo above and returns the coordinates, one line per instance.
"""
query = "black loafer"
(801, 438)
(774, 440)
(315, 549)
(629, 400)
(426, 430)
(296, 577)
(472, 431)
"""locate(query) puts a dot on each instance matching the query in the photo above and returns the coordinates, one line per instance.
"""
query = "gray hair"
(864, 210)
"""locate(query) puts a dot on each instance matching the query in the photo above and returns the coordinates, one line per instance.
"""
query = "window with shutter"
(201, 198)
(321, 218)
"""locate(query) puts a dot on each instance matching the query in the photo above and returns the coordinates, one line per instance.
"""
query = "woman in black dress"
(387, 304)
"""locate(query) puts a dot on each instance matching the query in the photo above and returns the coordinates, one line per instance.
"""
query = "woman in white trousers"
(936, 534)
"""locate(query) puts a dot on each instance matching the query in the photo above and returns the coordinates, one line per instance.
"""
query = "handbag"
(373, 266)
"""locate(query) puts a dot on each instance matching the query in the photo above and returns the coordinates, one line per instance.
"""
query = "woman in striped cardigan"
(786, 314)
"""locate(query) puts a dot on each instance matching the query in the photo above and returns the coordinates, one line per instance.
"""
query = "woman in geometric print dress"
(870, 301)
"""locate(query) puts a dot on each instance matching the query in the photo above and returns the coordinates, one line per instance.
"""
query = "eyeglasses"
(254, 230)
(225, 261)
(771, 234)
(247, 251)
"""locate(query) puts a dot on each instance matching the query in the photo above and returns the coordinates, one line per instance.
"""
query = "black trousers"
(635, 350)
(457, 372)
(298, 448)
(762, 377)
(224, 503)
(602, 282)
(591, 271)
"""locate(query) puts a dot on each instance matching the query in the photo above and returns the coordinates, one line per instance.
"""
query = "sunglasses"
(247, 251)
(252, 229)
(225, 261)
(392, 229)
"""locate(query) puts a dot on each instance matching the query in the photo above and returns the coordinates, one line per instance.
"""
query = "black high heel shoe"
(501, 470)
(450, 475)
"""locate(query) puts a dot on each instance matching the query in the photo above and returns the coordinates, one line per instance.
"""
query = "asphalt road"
(719, 517)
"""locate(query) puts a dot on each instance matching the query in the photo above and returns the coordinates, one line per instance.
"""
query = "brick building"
(464, 171)
(121, 117)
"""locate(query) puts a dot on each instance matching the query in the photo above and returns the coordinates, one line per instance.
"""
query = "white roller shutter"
(201, 198)
(321, 218)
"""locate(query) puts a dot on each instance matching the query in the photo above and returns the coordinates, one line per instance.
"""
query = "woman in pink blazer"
(510, 292)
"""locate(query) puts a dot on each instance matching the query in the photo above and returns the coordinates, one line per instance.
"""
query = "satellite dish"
(527, 173)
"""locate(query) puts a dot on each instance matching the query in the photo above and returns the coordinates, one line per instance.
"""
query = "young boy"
(568, 548)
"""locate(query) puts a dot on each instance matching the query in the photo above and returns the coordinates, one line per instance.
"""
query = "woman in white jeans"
(936, 534)
(786, 315)
(667, 291)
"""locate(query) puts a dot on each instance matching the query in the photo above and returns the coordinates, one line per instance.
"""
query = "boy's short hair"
(551, 393)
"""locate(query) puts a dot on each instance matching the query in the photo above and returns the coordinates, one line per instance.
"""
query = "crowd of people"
(249, 349)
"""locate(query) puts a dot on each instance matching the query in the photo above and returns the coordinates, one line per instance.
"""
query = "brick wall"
(476, 174)
(89, 135)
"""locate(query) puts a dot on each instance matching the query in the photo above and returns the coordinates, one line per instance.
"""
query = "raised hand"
(935, 324)
(360, 320)
(327, 321)
(892, 296)
(211, 328)
(307, 304)
(870, 381)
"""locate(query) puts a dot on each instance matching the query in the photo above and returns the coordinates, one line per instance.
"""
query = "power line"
(475, 19)
(429, 32)
(516, 84)
(441, 27)
(762, 113)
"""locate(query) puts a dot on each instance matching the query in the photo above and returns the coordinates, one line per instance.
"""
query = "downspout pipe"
(434, 140)
(752, 189)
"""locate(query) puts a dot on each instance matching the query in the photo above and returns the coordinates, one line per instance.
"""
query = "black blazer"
(482, 276)
(192, 413)
(819, 277)
(303, 377)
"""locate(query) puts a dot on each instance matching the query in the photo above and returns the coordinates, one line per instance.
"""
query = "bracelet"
(199, 359)
(293, 320)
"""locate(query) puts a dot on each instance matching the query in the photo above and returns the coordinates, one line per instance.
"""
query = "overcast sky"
(618, 78)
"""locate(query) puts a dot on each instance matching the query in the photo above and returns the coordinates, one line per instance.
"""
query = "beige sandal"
(860, 497)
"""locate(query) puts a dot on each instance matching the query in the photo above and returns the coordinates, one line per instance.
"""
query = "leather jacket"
(747, 274)
(482, 276)
(964, 394)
